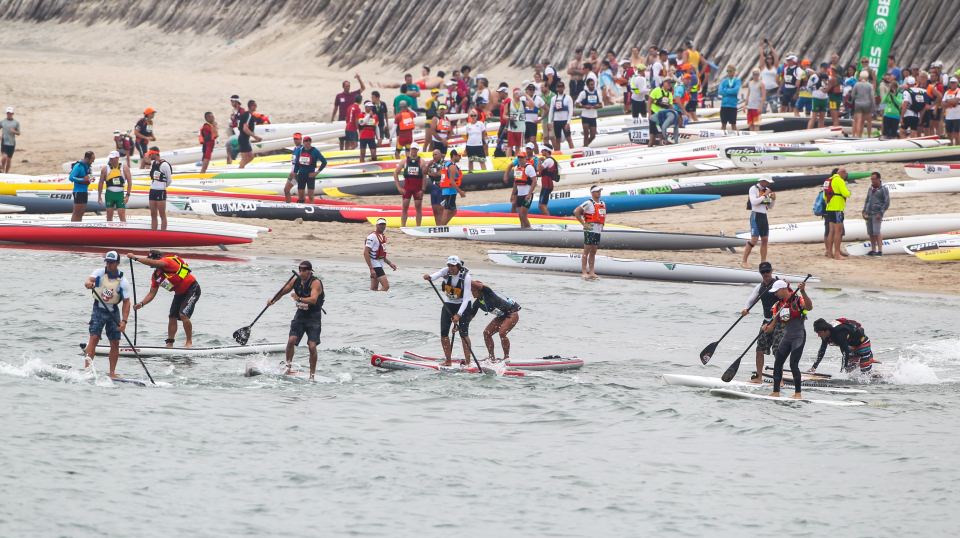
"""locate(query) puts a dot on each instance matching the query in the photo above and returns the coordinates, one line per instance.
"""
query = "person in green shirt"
(892, 103)
(835, 194)
(402, 96)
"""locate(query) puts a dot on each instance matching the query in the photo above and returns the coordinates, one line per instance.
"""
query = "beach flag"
(878, 29)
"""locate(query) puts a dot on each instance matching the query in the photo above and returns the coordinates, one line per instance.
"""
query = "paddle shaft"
(275, 297)
(755, 301)
(454, 335)
(133, 282)
(132, 346)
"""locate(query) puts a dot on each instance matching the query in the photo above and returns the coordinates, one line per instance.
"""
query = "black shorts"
(559, 129)
(475, 152)
(379, 272)
(691, 105)
(891, 127)
(728, 115)
(953, 126)
(307, 182)
(157, 195)
(446, 319)
(243, 144)
(351, 136)
(368, 143)
(141, 148)
(7, 150)
(441, 146)
(449, 202)
(183, 305)
(545, 196)
(786, 96)
(911, 122)
(638, 108)
(530, 131)
(305, 325)
(834, 217)
(80, 198)
(588, 122)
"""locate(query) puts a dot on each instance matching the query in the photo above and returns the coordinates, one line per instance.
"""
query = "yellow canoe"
(11, 189)
(940, 254)
(394, 222)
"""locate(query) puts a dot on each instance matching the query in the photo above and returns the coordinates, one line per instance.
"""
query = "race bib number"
(305, 160)
(166, 285)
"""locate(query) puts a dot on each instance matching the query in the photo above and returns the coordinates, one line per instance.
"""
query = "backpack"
(819, 205)
(918, 100)
(854, 325)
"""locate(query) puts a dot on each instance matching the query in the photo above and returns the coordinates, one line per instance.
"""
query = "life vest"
(446, 181)
(660, 99)
(828, 192)
(550, 173)
(520, 177)
(792, 305)
(109, 289)
(443, 125)
(235, 117)
(306, 160)
(412, 170)
(261, 118)
(176, 279)
(452, 290)
(516, 113)
(115, 176)
(381, 252)
(854, 325)
(213, 134)
(405, 121)
(303, 290)
(433, 170)
(530, 109)
(560, 104)
(599, 215)
(790, 76)
(156, 174)
(918, 100)
(124, 142)
(368, 120)
(591, 98)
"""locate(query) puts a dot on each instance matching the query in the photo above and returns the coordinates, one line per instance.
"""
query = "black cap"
(765, 267)
(155, 255)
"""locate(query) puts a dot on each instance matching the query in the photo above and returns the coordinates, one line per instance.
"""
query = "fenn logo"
(534, 260)
(438, 229)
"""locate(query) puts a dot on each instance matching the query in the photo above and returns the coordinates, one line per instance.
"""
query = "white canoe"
(932, 170)
(138, 200)
(943, 185)
(948, 243)
(161, 351)
(8, 208)
(902, 245)
(823, 158)
(717, 383)
(856, 229)
(727, 393)
(629, 268)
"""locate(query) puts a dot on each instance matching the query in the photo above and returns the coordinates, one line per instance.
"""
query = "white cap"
(530, 145)
(9, 110)
(415, 146)
(116, 131)
(549, 70)
(367, 103)
(596, 188)
(791, 58)
(778, 285)
(546, 146)
(481, 75)
(454, 260)
(953, 79)
(768, 179)
(381, 220)
(910, 80)
(111, 256)
(114, 155)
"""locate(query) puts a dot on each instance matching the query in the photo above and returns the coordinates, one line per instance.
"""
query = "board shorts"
(442, 146)
(157, 195)
(911, 122)
(524, 201)
(369, 143)
(114, 199)
(759, 225)
(185, 303)
(449, 202)
(591, 238)
(820, 105)
(768, 342)
(305, 181)
(446, 320)
(100, 319)
(8, 149)
(560, 128)
(835, 100)
(530, 131)
(305, 325)
(805, 104)
(80, 198)
(475, 154)
(786, 96)
(834, 217)
(514, 138)
(873, 224)
(436, 194)
(412, 188)
(728, 114)
(379, 271)
(243, 144)
(588, 122)
(753, 116)
(351, 136)
(141, 148)
(404, 139)
(953, 126)
(208, 151)
(860, 355)
(545, 196)
(691, 105)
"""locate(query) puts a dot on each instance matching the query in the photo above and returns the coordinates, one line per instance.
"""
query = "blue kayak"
(615, 204)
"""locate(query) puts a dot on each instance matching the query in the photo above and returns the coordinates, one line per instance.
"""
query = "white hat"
(953, 79)
(910, 80)
(503, 89)
(114, 155)
(367, 103)
(791, 58)
(546, 146)
(768, 179)
(778, 285)
(9, 110)
(530, 145)
(481, 75)
(596, 188)
(116, 131)
(111, 256)
(381, 220)
(549, 70)
(454, 260)
(415, 146)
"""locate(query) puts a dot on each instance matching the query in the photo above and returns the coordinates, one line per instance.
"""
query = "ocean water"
(605, 451)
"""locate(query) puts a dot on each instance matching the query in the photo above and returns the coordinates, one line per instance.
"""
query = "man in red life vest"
(173, 274)
(375, 254)
(591, 214)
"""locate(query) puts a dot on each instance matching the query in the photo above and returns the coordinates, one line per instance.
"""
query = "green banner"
(878, 30)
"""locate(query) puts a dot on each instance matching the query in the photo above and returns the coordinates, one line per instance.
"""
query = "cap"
(297, 135)
(367, 103)
(9, 110)
(149, 110)
(549, 71)
(415, 147)
(481, 75)
(116, 131)
(596, 188)
(953, 79)
(234, 97)
(155, 255)
(305, 264)
(768, 179)
(804, 62)
(766, 267)
(778, 285)
(113, 155)
(910, 80)
(435, 90)
(308, 139)
(529, 145)
(381, 220)
(111, 256)
(503, 89)
(792, 58)
(546, 146)
(454, 260)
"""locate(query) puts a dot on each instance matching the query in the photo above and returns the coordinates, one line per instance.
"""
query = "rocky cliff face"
(482, 32)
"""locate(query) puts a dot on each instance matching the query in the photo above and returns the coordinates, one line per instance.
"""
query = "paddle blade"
(242, 335)
(731, 372)
(707, 352)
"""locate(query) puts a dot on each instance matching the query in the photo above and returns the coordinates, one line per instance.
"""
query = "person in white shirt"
(560, 113)
(951, 110)
(112, 288)
(525, 183)
(533, 105)
(161, 175)
(476, 141)
(457, 282)
(375, 254)
(817, 85)
(760, 200)
(639, 87)
(592, 214)
(756, 97)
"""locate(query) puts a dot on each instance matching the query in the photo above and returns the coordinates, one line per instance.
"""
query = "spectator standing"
(729, 90)
(951, 111)
(770, 77)
(516, 125)
(892, 103)
(760, 200)
(11, 130)
(639, 86)
(208, 139)
(248, 124)
(575, 71)
(352, 118)
(476, 131)
(343, 101)
(81, 179)
(756, 97)
(875, 205)
(862, 97)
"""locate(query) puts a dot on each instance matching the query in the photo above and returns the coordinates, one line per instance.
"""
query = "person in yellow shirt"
(835, 194)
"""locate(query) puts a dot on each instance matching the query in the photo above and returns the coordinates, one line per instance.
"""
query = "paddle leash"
(133, 282)
(708, 351)
(731, 371)
(454, 335)
(116, 315)
(242, 335)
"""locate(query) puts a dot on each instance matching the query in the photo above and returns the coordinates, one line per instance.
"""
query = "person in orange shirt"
(173, 274)
(404, 121)
(208, 139)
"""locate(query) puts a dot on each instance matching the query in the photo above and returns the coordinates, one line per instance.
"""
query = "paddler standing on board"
(116, 176)
(506, 316)
(768, 342)
(173, 274)
(456, 279)
(791, 312)
(307, 292)
(113, 288)
(591, 214)
(451, 178)
(375, 254)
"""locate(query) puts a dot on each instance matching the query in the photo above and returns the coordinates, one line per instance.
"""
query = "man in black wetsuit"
(308, 294)
(849, 336)
(506, 316)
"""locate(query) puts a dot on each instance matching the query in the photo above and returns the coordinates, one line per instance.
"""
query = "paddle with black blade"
(708, 351)
(133, 284)
(731, 371)
(452, 338)
(132, 346)
(242, 335)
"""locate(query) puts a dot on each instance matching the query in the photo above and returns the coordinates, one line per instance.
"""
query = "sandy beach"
(71, 89)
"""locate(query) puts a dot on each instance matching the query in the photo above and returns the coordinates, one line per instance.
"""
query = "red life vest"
(381, 252)
(179, 280)
(520, 176)
(443, 125)
(599, 215)
(405, 121)
(793, 304)
(213, 134)
(446, 181)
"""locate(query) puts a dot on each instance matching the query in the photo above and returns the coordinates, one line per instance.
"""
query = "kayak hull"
(555, 363)
(393, 363)
(161, 351)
